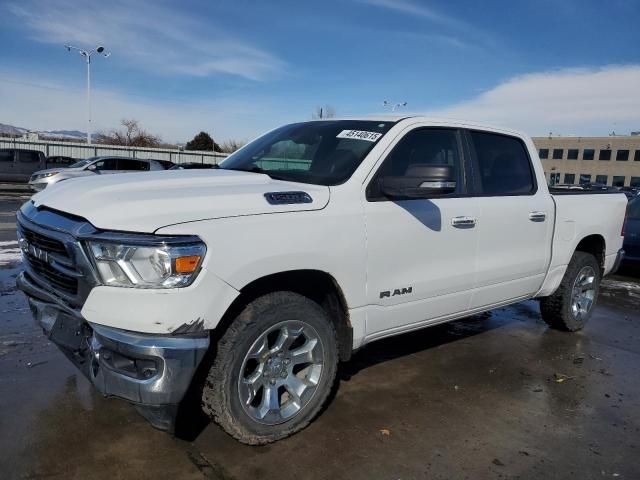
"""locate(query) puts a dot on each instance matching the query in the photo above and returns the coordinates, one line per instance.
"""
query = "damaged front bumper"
(152, 371)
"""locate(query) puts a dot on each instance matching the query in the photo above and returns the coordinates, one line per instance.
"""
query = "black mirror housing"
(420, 181)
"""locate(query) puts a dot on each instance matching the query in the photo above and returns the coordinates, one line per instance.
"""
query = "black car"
(17, 165)
(192, 165)
(632, 232)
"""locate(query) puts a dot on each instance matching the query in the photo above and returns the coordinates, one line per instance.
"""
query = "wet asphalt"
(497, 395)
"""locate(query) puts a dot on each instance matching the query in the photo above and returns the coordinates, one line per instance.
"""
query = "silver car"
(91, 166)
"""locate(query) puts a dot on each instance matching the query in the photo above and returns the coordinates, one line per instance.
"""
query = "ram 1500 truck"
(247, 284)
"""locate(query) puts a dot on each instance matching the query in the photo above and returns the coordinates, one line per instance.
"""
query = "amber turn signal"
(187, 264)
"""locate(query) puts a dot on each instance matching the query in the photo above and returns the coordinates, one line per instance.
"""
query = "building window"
(557, 153)
(622, 155)
(572, 154)
(602, 179)
(554, 179)
(588, 154)
(605, 155)
(618, 181)
(569, 178)
(585, 178)
(637, 156)
(635, 182)
(544, 153)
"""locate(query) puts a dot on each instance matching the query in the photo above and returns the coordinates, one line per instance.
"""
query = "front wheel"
(273, 370)
(573, 302)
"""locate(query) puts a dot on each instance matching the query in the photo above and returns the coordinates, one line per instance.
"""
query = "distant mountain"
(66, 133)
(11, 130)
(50, 134)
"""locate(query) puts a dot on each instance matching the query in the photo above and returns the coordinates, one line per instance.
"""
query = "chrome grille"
(53, 256)
(57, 279)
(45, 243)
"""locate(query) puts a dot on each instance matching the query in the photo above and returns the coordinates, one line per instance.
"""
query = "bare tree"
(230, 146)
(131, 134)
(323, 112)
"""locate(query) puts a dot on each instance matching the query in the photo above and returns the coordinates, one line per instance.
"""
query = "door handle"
(463, 222)
(537, 216)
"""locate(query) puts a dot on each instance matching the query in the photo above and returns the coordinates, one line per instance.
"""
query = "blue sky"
(238, 68)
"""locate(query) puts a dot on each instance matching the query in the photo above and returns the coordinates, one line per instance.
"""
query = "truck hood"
(145, 202)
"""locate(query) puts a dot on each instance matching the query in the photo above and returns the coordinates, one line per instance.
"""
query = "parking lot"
(497, 395)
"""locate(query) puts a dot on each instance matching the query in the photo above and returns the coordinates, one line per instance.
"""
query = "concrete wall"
(629, 169)
(82, 150)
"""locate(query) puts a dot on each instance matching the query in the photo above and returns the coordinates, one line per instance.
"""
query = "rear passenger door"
(515, 219)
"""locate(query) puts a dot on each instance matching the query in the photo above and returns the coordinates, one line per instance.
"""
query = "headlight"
(147, 266)
(48, 174)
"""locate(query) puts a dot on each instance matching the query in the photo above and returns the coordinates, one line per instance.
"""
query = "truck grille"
(44, 243)
(55, 278)
(50, 262)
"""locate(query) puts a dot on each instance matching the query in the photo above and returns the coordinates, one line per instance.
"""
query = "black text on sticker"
(359, 135)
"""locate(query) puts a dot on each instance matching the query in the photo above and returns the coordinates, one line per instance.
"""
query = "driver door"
(421, 253)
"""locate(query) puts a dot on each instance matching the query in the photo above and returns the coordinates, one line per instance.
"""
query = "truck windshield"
(325, 152)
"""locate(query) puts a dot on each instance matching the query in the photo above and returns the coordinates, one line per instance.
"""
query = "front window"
(82, 163)
(323, 152)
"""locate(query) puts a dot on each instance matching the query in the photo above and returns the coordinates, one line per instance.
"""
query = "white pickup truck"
(247, 284)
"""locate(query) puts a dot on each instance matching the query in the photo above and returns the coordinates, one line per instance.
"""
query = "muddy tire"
(274, 368)
(573, 302)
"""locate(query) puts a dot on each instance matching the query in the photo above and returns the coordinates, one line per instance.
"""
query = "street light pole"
(87, 56)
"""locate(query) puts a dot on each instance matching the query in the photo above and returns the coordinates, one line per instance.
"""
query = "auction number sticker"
(359, 135)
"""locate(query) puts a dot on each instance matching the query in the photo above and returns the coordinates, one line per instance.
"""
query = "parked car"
(192, 166)
(59, 161)
(17, 165)
(92, 166)
(166, 164)
(632, 232)
(304, 246)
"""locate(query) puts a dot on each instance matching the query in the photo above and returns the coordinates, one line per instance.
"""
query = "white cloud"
(463, 30)
(585, 101)
(49, 106)
(147, 35)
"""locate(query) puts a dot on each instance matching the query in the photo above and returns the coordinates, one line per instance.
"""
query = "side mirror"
(420, 181)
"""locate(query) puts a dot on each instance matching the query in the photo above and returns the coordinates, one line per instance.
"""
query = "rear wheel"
(573, 302)
(274, 368)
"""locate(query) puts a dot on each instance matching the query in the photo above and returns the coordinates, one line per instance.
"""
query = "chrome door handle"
(537, 216)
(463, 222)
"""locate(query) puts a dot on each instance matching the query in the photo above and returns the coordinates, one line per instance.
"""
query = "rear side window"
(503, 164)
(29, 157)
(124, 164)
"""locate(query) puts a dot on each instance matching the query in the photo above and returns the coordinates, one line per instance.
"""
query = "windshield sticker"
(359, 135)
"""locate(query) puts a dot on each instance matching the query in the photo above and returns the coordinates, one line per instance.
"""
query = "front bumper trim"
(152, 371)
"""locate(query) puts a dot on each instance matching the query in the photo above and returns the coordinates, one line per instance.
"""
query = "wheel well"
(595, 245)
(314, 284)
